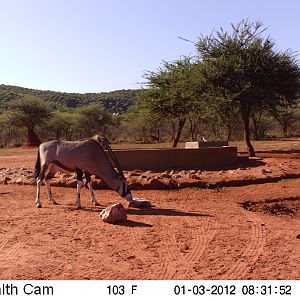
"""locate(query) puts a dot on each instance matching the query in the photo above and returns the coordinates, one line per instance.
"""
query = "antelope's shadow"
(157, 211)
(145, 211)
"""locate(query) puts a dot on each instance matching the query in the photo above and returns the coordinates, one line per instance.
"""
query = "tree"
(143, 124)
(244, 67)
(226, 115)
(173, 91)
(29, 112)
(92, 119)
(61, 126)
(286, 117)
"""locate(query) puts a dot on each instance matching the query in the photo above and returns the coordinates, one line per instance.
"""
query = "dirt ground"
(246, 232)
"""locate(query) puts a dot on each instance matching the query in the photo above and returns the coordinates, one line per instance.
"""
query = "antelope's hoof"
(39, 205)
(96, 204)
(79, 207)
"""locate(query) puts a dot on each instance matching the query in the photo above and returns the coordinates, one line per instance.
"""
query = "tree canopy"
(92, 119)
(29, 112)
(174, 91)
(244, 67)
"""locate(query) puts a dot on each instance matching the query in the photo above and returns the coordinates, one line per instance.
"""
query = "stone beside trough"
(208, 144)
(249, 171)
(147, 168)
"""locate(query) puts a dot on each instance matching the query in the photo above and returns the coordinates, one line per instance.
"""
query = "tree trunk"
(158, 134)
(255, 129)
(285, 127)
(246, 117)
(178, 133)
(229, 132)
(32, 138)
(58, 134)
(193, 131)
(256, 120)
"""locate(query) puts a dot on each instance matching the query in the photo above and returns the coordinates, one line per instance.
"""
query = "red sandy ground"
(249, 232)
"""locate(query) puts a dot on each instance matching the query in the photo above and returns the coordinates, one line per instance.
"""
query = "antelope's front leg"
(90, 186)
(79, 186)
(49, 193)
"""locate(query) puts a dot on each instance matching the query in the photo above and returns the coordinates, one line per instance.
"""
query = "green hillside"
(115, 101)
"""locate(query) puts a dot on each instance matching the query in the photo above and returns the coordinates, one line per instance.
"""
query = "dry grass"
(270, 145)
(290, 144)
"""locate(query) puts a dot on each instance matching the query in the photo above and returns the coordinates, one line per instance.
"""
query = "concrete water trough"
(172, 159)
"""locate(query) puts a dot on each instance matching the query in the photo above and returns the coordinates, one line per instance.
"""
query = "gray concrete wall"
(184, 159)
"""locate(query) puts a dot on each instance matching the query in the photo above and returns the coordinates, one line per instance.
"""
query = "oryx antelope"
(89, 157)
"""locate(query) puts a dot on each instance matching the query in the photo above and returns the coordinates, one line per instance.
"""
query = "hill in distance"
(115, 102)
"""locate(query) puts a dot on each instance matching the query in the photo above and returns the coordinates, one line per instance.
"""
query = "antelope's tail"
(37, 167)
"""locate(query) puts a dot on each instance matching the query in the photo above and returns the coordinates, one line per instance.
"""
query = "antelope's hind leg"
(90, 186)
(39, 181)
(47, 179)
(79, 174)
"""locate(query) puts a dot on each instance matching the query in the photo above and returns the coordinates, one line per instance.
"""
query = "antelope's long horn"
(116, 162)
(106, 146)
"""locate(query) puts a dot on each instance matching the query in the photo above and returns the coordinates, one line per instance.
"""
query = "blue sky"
(96, 45)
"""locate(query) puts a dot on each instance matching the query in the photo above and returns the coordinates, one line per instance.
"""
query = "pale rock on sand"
(114, 213)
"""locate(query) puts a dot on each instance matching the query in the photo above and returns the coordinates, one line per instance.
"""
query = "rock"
(19, 180)
(172, 172)
(153, 184)
(195, 176)
(191, 172)
(4, 179)
(164, 175)
(64, 183)
(172, 183)
(183, 173)
(64, 176)
(135, 185)
(148, 172)
(134, 174)
(100, 184)
(114, 214)
(176, 176)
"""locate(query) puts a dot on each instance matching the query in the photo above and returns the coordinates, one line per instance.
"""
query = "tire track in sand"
(164, 270)
(16, 248)
(201, 243)
(183, 260)
(137, 237)
(175, 260)
(5, 239)
(251, 253)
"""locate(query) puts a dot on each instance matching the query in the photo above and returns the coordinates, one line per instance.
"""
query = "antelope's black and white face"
(123, 189)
